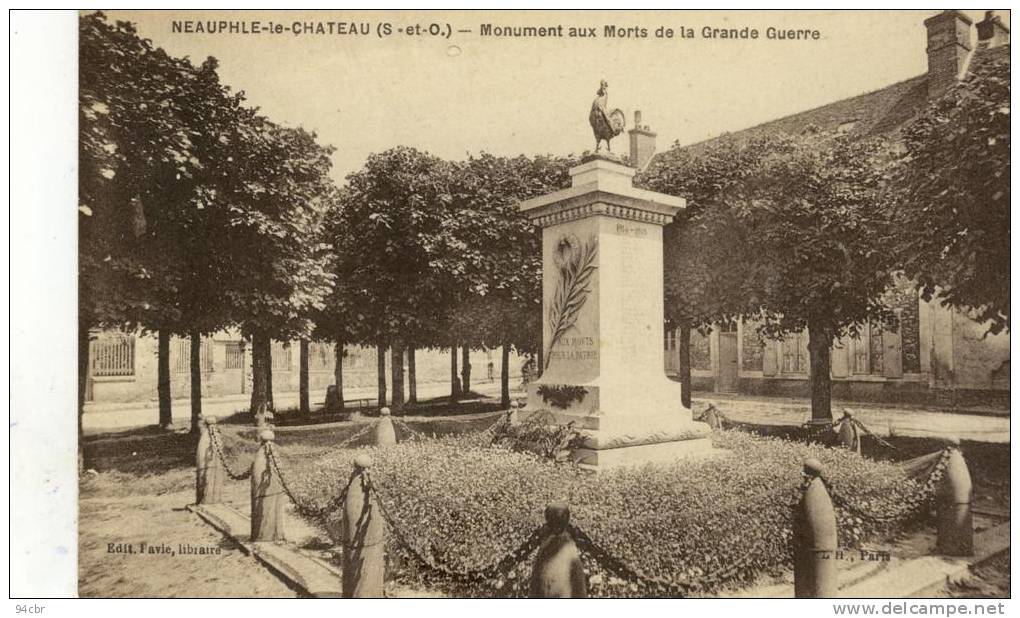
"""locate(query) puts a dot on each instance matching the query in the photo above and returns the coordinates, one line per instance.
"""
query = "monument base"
(652, 427)
(641, 454)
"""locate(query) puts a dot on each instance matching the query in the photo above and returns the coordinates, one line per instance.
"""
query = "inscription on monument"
(582, 348)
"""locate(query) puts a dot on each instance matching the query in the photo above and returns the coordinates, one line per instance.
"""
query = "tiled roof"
(875, 113)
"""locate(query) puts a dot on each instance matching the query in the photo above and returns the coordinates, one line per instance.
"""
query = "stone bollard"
(267, 494)
(364, 533)
(511, 415)
(384, 434)
(847, 433)
(558, 572)
(209, 471)
(815, 565)
(953, 514)
(712, 418)
(332, 399)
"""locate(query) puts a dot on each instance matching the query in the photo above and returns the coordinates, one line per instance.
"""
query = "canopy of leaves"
(194, 212)
(398, 246)
(706, 261)
(951, 195)
(817, 237)
(500, 298)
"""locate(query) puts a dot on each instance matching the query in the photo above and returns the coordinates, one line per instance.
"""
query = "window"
(112, 355)
(320, 356)
(669, 339)
(181, 355)
(867, 351)
(354, 358)
(281, 355)
(235, 355)
(728, 326)
(792, 350)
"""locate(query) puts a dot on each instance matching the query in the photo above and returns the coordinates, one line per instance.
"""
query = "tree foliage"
(195, 212)
(951, 195)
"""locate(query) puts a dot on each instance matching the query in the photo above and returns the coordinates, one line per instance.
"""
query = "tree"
(819, 238)
(706, 265)
(950, 195)
(279, 193)
(397, 251)
(145, 124)
(499, 293)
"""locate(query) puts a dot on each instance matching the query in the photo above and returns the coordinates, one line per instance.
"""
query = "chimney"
(991, 31)
(948, 48)
(642, 143)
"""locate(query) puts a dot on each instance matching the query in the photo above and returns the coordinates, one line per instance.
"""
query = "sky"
(468, 93)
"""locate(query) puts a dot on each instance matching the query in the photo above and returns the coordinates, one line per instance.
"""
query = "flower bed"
(466, 505)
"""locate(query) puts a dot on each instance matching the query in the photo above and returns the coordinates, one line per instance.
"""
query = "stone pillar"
(953, 512)
(602, 302)
(208, 469)
(815, 563)
(267, 494)
(383, 433)
(558, 572)
(364, 557)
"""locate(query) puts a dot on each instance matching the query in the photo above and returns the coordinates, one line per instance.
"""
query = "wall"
(432, 367)
(936, 356)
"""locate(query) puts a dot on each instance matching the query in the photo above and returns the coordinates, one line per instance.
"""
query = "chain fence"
(863, 428)
(214, 440)
(888, 514)
(306, 508)
(358, 434)
(496, 574)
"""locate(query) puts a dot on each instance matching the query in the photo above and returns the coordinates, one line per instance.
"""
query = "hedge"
(467, 504)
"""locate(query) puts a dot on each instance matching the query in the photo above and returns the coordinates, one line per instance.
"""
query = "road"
(882, 419)
(114, 417)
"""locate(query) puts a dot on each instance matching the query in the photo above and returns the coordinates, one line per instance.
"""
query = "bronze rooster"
(606, 125)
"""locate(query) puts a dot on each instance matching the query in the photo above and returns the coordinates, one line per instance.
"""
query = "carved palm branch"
(571, 294)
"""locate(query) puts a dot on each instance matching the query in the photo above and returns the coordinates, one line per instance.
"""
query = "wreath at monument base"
(561, 396)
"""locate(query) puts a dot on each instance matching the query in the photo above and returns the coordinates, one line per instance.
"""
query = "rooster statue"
(606, 125)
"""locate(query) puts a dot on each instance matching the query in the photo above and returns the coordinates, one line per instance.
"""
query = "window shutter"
(840, 357)
(805, 353)
(769, 359)
(892, 344)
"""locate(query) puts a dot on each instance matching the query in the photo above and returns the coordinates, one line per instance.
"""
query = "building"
(123, 367)
(937, 355)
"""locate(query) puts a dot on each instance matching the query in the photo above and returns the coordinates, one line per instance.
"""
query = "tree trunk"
(397, 370)
(380, 357)
(83, 378)
(166, 414)
(412, 378)
(259, 375)
(684, 365)
(268, 368)
(338, 372)
(465, 370)
(504, 378)
(196, 380)
(303, 405)
(454, 381)
(540, 366)
(819, 344)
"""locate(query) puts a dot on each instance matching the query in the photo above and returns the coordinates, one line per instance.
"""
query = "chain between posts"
(858, 424)
(305, 509)
(675, 588)
(215, 441)
(927, 493)
(348, 440)
(496, 572)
